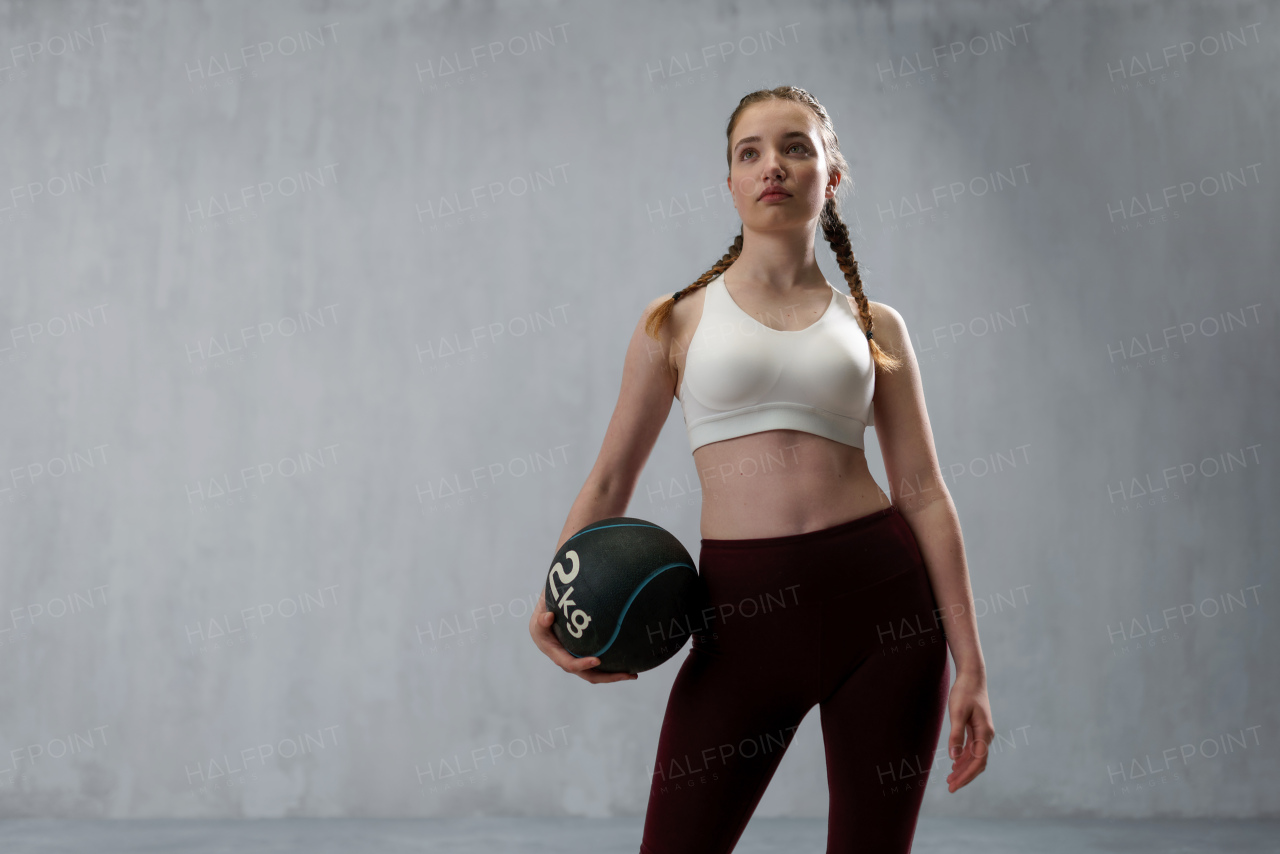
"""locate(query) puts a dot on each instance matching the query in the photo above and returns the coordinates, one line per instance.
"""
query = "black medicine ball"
(626, 592)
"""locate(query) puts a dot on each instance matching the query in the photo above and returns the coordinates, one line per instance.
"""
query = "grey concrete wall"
(313, 317)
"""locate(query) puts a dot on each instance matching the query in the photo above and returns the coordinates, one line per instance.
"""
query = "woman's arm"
(937, 528)
(644, 402)
(918, 491)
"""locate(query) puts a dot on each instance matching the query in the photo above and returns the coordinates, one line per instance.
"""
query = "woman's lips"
(775, 194)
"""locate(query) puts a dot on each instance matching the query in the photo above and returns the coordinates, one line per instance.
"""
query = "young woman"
(824, 592)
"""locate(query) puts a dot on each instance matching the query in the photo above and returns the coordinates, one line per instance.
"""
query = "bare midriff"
(778, 482)
(782, 482)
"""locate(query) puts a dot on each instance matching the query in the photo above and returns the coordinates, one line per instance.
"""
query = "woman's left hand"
(970, 713)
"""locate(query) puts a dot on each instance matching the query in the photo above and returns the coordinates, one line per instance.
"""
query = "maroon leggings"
(843, 618)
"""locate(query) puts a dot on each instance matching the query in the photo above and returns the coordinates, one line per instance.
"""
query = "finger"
(567, 660)
(544, 622)
(961, 763)
(550, 644)
(541, 630)
(971, 746)
(587, 662)
(553, 649)
(964, 755)
(596, 678)
(968, 773)
(581, 665)
(956, 742)
(958, 767)
(585, 667)
(975, 761)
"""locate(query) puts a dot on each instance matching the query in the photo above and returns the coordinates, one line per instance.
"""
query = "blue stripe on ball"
(619, 525)
(617, 627)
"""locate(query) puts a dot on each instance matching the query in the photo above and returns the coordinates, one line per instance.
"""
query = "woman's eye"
(799, 145)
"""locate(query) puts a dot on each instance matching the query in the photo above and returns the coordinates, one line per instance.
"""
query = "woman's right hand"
(545, 638)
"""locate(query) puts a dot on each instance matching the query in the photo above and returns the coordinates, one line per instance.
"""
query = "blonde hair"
(833, 227)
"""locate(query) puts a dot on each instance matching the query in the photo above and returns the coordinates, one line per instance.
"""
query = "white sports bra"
(743, 377)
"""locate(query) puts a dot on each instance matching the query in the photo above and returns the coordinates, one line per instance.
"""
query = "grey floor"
(612, 836)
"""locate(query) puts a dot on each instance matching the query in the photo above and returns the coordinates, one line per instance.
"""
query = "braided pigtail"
(660, 315)
(837, 234)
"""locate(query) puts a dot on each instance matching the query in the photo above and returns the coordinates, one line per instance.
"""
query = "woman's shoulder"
(677, 321)
(682, 309)
(883, 311)
(890, 328)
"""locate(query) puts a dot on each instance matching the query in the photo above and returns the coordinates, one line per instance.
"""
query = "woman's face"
(777, 144)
